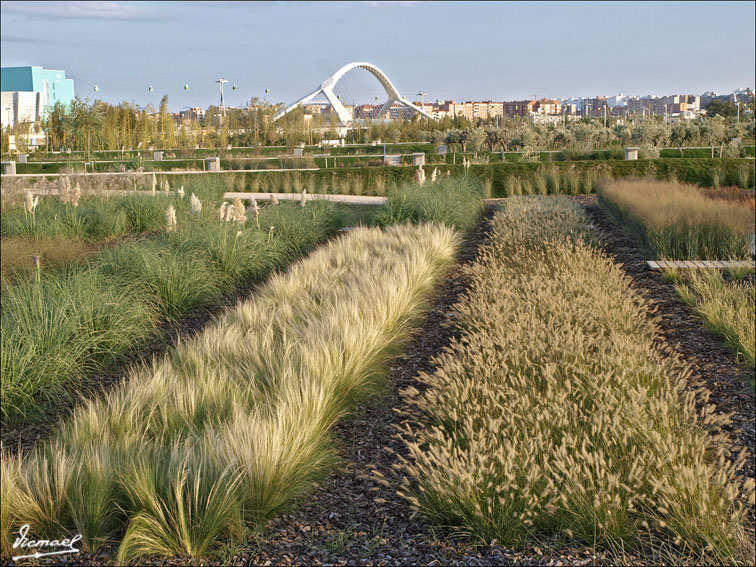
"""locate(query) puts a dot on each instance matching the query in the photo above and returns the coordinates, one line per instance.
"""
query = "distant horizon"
(427, 101)
(495, 51)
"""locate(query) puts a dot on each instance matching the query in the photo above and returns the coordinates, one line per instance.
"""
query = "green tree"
(726, 108)
(167, 133)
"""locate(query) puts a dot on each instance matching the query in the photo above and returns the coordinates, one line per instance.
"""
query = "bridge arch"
(327, 86)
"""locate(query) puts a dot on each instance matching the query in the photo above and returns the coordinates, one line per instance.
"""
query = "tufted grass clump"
(457, 202)
(54, 331)
(726, 307)
(677, 221)
(227, 429)
(557, 412)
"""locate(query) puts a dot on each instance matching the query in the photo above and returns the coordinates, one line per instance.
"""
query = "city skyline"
(460, 51)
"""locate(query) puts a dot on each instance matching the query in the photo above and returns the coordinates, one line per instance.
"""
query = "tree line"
(90, 126)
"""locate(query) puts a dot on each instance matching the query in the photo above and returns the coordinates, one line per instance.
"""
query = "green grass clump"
(232, 425)
(557, 412)
(55, 330)
(457, 202)
(64, 325)
(727, 309)
(94, 218)
(676, 221)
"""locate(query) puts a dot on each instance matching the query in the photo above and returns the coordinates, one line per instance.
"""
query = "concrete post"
(213, 163)
(297, 152)
(157, 156)
(9, 168)
(418, 159)
(631, 154)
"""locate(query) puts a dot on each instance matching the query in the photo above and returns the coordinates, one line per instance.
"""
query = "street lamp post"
(222, 105)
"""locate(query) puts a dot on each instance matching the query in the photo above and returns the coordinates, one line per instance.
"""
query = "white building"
(617, 100)
(21, 106)
(577, 102)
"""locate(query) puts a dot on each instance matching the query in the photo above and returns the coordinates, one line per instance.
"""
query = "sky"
(451, 50)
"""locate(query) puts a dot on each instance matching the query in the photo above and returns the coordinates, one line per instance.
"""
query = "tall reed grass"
(557, 412)
(230, 427)
(676, 221)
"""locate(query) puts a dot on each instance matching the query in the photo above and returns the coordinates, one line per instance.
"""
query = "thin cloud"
(390, 3)
(96, 10)
(16, 39)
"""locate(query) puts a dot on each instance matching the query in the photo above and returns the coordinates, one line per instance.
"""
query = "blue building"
(28, 93)
(51, 83)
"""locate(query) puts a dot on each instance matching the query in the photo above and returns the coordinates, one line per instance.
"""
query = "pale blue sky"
(462, 50)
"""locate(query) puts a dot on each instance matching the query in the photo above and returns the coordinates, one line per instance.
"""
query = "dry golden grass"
(730, 193)
(16, 253)
(677, 221)
(558, 412)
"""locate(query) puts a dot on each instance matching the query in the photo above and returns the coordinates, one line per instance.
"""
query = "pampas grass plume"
(170, 219)
(239, 214)
(196, 204)
(76, 195)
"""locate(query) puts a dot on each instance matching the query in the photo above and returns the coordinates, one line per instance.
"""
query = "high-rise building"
(28, 93)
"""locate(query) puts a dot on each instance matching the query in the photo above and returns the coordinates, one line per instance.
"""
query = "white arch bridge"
(326, 90)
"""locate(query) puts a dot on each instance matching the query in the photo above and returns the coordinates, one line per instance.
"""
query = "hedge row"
(369, 152)
(376, 180)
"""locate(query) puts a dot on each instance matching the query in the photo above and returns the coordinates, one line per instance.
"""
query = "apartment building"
(594, 107)
(518, 108)
(547, 106)
(487, 109)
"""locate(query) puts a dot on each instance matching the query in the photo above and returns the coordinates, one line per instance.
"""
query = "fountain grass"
(558, 413)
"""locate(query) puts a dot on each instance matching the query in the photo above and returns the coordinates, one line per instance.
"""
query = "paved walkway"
(350, 199)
